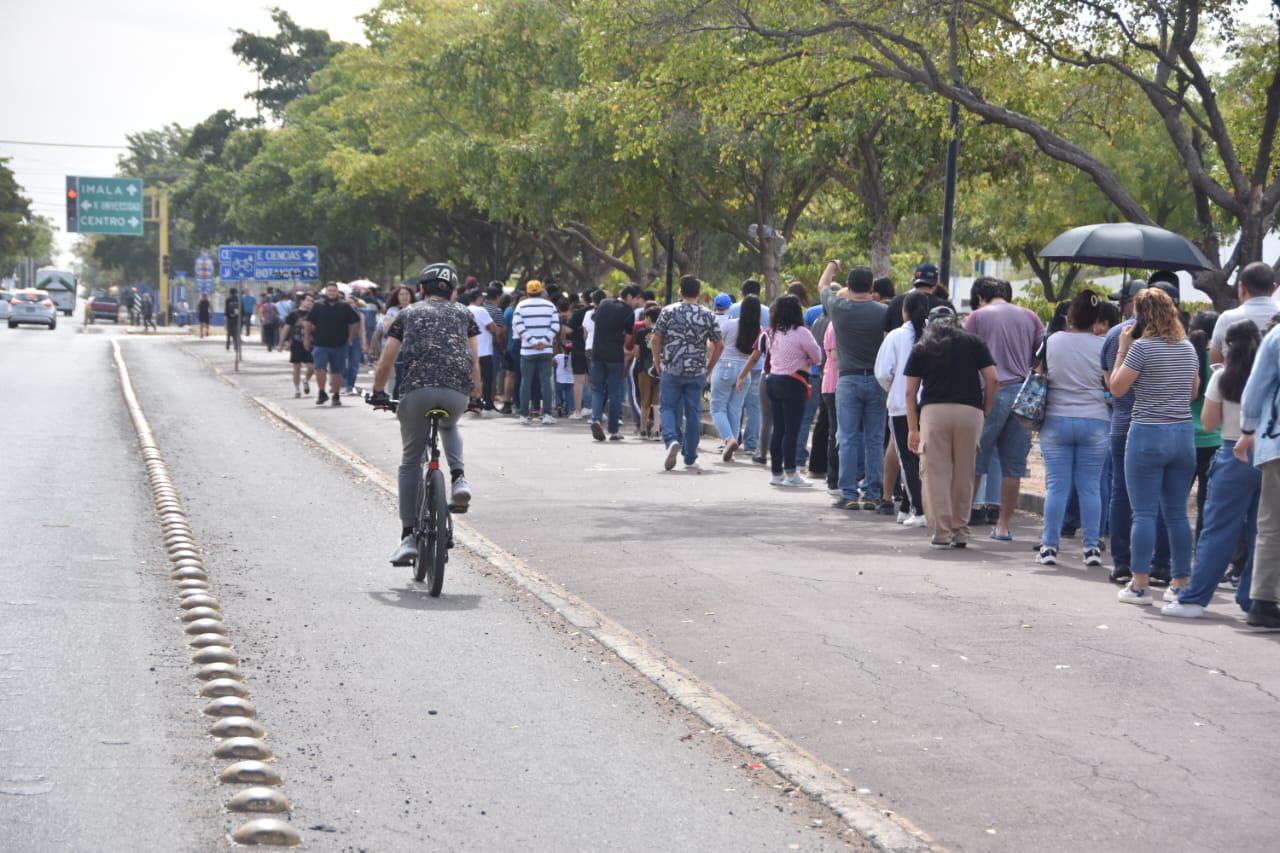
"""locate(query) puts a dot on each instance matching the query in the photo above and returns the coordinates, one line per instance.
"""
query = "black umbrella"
(1124, 244)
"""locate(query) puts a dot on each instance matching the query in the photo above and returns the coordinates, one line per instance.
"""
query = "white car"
(5, 307)
(33, 307)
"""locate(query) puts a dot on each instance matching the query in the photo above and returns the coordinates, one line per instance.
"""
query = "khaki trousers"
(949, 434)
(1266, 553)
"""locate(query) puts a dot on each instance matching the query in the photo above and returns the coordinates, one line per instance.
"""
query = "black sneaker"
(337, 401)
(506, 409)
(322, 398)
(1160, 576)
(1121, 574)
(1092, 557)
(978, 517)
(847, 503)
(597, 431)
(886, 508)
(993, 514)
(1264, 616)
(1048, 556)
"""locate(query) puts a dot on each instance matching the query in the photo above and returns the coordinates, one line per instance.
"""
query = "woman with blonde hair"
(1160, 365)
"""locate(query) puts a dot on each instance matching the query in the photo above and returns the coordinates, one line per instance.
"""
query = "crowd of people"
(900, 405)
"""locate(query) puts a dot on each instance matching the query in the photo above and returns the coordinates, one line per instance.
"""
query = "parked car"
(103, 307)
(5, 308)
(32, 307)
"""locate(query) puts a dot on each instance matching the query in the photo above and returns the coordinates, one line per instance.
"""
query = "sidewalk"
(997, 704)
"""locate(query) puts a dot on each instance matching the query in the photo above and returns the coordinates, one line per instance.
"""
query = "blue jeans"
(1159, 465)
(1005, 436)
(354, 358)
(1074, 451)
(680, 397)
(786, 394)
(806, 422)
(861, 413)
(564, 396)
(540, 368)
(751, 413)
(1122, 514)
(606, 379)
(332, 359)
(726, 400)
(1071, 521)
(1231, 508)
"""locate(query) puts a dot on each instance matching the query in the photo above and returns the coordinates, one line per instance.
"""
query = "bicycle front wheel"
(433, 546)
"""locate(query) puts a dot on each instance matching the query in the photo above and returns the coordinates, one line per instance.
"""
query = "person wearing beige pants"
(949, 434)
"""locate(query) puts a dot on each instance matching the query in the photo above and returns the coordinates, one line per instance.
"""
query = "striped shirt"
(792, 351)
(535, 322)
(1166, 374)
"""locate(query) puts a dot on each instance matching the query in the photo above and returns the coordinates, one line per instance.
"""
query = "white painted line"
(887, 831)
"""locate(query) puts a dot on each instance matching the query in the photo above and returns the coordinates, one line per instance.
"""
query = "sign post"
(104, 206)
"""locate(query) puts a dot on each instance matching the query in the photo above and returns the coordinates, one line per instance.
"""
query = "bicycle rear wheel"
(435, 534)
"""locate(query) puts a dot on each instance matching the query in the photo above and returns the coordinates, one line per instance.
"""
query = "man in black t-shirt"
(294, 336)
(926, 280)
(614, 319)
(331, 325)
(231, 315)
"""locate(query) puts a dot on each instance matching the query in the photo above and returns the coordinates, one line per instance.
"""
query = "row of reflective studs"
(239, 734)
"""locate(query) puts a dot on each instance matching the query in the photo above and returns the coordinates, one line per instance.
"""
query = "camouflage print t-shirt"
(433, 339)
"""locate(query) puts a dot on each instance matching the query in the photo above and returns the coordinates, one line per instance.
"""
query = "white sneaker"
(1048, 556)
(405, 553)
(796, 481)
(461, 495)
(1171, 593)
(547, 420)
(576, 416)
(673, 453)
(692, 468)
(916, 521)
(1092, 557)
(1129, 595)
(903, 516)
(1185, 611)
(524, 420)
(835, 493)
(777, 480)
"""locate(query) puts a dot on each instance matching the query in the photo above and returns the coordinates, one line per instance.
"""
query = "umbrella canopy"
(361, 284)
(1124, 244)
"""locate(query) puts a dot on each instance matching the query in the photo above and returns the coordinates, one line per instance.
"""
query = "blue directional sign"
(269, 263)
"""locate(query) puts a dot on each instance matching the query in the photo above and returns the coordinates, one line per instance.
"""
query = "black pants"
(787, 397)
(269, 332)
(833, 441)
(819, 457)
(486, 380)
(910, 464)
(1204, 459)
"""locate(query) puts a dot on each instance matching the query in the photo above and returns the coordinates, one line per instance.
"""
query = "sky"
(91, 71)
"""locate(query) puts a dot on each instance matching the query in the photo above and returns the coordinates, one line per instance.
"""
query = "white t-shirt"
(589, 326)
(484, 343)
(564, 369)
(1230, 410)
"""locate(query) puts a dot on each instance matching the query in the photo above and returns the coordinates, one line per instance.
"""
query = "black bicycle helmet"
(438, 279)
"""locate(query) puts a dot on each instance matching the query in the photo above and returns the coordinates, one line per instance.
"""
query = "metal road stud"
(215, 653)
(200, 641)
(224, 687)
(189, 563)
(185, 592)
(245, 748)
(261, 800)
(198, 600)
(251, 773)
(183, 573)
(210, 671)
(183, 554)
(269, 831)
(206, 626)
(237, 727)
(201, 612)
(230, 706)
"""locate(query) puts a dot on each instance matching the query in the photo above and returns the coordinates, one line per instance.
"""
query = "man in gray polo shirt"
(1257, 287)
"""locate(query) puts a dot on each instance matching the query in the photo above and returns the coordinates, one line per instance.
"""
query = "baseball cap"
(1168, 282)
(723, 300)
(1128, 290)
(926, 273)
(534, 287)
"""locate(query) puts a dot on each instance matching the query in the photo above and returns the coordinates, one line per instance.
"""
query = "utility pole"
(162, 213)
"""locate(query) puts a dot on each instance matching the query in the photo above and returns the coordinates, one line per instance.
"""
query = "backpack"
(270, 314)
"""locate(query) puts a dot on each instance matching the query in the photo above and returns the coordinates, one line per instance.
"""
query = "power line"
(61, 144)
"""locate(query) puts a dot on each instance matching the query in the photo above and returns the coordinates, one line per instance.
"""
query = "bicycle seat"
(437, 413)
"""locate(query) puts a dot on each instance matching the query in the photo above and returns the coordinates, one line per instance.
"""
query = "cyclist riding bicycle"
(441, 368)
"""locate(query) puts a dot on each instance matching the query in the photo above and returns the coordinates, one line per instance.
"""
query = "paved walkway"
(997, 704)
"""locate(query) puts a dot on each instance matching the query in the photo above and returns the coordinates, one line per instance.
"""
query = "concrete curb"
(885, 830)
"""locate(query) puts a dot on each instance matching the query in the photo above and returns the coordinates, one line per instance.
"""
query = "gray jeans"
(412, 413)
(1266, 553)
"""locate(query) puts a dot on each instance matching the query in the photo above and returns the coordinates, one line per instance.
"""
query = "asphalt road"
(997, 704)
(478, 721)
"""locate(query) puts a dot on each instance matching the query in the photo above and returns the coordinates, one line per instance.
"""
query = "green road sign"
(104, 205)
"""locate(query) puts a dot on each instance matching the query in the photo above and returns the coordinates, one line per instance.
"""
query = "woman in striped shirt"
(792, 351)
(1159, 364)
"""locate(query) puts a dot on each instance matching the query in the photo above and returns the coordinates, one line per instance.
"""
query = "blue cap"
(926, 274)
(723, 300)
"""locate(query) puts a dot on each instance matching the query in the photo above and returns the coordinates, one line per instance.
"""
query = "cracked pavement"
(997, 704)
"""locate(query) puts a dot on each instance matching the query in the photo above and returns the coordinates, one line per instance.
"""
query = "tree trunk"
(771, 266)
(882, 236)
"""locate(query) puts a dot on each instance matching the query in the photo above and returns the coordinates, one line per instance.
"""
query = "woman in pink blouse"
(791, 351)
